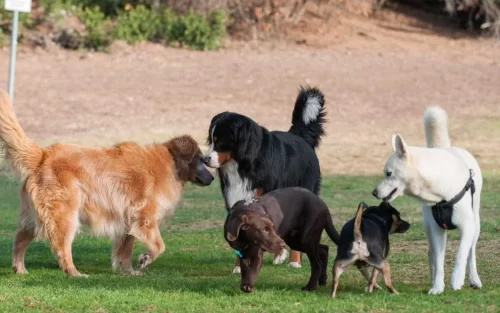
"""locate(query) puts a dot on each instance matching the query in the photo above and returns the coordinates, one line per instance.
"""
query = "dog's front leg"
(436, 238)
(250, 267)
(146, 230)
(122, 254)
(467, 225)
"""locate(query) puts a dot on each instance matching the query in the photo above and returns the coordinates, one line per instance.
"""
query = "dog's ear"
(233, 228)
(362, 206)
(402, 227)
(399, 145)
(248, 137)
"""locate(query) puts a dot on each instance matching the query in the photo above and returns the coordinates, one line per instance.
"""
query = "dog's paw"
(246, 288)
(457, 281)
(144, 260)
(236, 270)
(279, 259)
(436, 290)
(475, 282)
(308, 288)
(134, 273)
(20, 270)
(322, 281)
(294, 265)
(369, 288)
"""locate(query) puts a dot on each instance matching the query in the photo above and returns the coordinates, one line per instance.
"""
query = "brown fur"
(123, 192)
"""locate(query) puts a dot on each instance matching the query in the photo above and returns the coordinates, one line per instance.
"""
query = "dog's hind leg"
(386, 271)
(323, 253)
(338, 268)
(313, 253)
(466, 223)
(25, 233)
(436, 239)
(61, 233)
(474, 280)
(366, 273)
(23, 238)
(122, 254)
(372, 280)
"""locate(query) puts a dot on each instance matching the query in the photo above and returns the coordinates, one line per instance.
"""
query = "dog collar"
(238, 253)
(443, 211)
(376, 217)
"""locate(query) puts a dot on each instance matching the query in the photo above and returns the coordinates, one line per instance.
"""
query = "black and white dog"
(252, 161)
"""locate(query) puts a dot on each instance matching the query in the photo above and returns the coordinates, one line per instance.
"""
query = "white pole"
(13, 47)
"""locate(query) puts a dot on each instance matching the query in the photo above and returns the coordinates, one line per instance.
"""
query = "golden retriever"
(123, 192)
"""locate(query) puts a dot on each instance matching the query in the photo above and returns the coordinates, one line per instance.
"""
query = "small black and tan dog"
(294, 216)
(364, 241)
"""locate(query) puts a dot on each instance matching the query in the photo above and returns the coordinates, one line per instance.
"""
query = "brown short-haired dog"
(364, 241)
(123, 192)
(295, 214)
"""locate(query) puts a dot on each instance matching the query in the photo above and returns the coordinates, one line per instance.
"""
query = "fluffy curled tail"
(23, 154)
(436, 128)
(309, 116)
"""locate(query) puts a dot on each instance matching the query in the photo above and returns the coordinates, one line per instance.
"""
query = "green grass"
(193, 275)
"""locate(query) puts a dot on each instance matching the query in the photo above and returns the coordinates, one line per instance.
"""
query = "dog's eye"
(388, 174)
(266, 230)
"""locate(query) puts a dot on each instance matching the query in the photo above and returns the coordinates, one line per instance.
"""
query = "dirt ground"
(378, 77)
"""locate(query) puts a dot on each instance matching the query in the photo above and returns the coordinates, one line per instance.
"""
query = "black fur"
(272, 159)
(375, 226)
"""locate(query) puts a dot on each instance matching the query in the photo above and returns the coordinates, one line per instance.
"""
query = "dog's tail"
(309, 116)
(331, 231)
(358, 237)
(436, 127)
(23, 154)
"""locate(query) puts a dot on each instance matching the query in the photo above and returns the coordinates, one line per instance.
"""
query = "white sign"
(18, 5)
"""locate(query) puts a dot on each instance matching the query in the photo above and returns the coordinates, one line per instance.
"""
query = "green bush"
(97, 37)
(194, 30)
(137, 24)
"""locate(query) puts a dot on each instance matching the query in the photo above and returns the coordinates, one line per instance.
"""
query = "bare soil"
(378, 77)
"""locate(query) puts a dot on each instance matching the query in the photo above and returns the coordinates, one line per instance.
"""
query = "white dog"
(439, 173)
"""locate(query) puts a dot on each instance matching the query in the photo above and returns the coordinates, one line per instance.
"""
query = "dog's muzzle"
(203, 176)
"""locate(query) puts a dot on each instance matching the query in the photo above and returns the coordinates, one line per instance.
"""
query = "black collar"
(380, 219)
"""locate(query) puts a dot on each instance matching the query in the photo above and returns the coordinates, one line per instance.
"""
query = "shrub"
(97, 37)
(137, 24)
(194, 30)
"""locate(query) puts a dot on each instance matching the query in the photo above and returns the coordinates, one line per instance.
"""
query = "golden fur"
(123, 192)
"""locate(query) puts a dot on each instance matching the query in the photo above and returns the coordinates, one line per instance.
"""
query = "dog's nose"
(206, 159)
(375, 193)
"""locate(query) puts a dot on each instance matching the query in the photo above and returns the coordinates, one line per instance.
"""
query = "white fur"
(237, 188)
(214, 156)
(294, 265)
(311, 111)
(237, 270)
(431, 175)
(436, 128)
(280, 258)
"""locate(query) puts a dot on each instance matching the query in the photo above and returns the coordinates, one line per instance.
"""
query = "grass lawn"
(194, 274)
